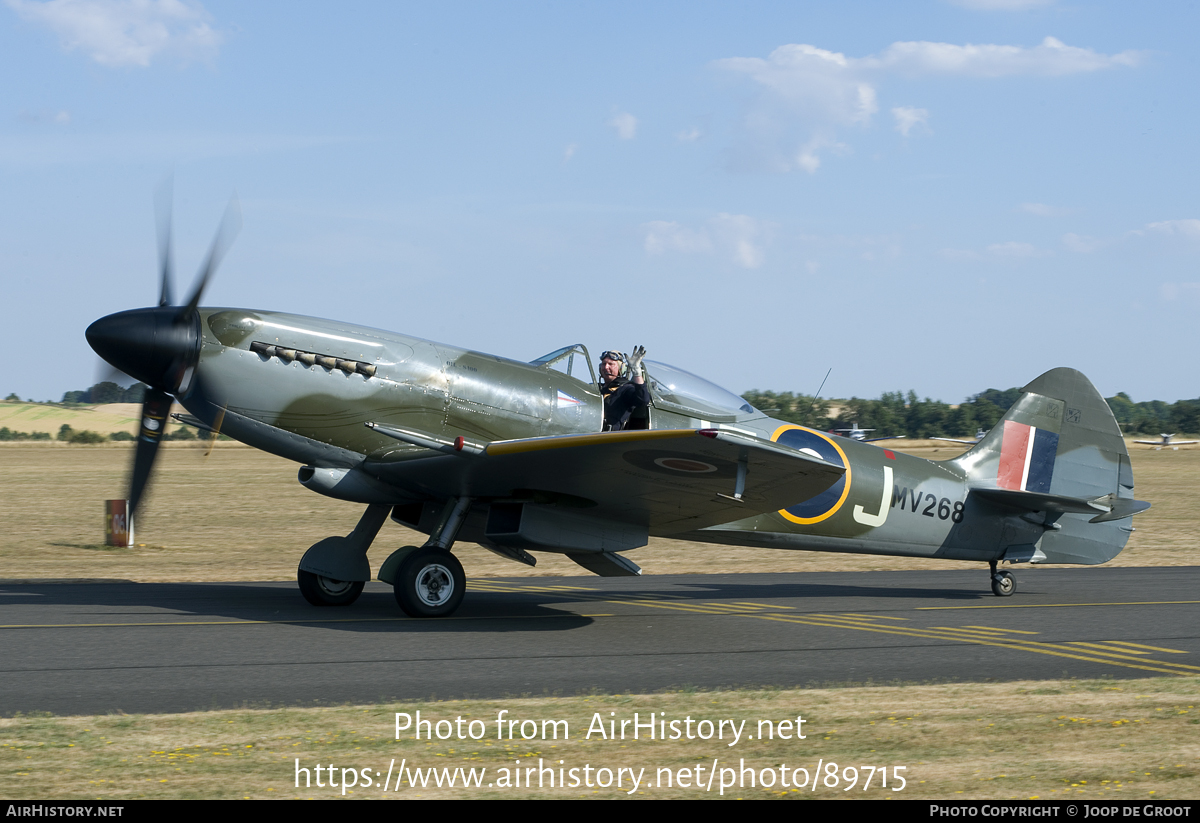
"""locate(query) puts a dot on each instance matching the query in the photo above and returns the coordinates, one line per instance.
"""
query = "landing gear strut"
(1003, 583)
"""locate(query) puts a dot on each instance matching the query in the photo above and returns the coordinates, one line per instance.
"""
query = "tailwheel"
(1003, 584)
(325, 591)
(430, 583)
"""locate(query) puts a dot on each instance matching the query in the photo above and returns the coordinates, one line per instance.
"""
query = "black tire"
(1003, 584)
(430, 583)
(325, 591)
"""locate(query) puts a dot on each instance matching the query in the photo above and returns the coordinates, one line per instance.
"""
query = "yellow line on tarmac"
(873, 616)
(1025, 646)
(1142, 646)
(1103, 647)
(1057, 605)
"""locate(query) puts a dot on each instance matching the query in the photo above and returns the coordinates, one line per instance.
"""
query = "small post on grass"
(118, 525)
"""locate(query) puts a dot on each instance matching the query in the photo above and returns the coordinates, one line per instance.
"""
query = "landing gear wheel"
(1003, 584)
(430, 583)
(325, 591)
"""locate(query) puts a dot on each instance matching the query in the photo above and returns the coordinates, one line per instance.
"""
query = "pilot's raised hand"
(634, 360)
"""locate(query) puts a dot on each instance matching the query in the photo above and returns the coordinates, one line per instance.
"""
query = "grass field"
(1117, 741)
(241, 515)
(38, 417)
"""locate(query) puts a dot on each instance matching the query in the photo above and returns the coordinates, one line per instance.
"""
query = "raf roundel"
(680, 464)
(827, 503)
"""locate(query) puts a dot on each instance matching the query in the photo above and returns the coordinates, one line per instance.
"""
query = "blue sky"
(942, 196)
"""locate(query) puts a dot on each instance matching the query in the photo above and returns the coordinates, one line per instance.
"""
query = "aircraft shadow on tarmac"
(520, 604)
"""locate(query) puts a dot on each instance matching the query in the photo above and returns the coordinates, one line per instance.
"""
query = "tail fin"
(1059, 452)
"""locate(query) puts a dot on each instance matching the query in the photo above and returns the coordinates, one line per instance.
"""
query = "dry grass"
(1120, 741)
(241, 515)
(106, 419)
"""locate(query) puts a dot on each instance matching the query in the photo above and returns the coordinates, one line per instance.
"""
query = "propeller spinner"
(160, 346)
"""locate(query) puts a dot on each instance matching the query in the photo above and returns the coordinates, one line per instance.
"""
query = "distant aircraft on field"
(1167, 441)
(979, 435)
(855, 433)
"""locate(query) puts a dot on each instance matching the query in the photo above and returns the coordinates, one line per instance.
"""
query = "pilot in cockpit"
(626, 398)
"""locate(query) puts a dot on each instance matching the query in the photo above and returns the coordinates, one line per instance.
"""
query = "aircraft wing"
(668, 480)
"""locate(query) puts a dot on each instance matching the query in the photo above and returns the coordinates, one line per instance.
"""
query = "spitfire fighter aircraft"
(855, 433)
(1166, 441)
(979, 435)
(466, 446)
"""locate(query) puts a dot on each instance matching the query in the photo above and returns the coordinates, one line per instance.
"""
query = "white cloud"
(907, 118)
(806, 94)
(689, 135)
(625, 124)
(742, 236)
(126, 32)
(1182, 228)
(569, 151)
(738, 237)
(1051, 58)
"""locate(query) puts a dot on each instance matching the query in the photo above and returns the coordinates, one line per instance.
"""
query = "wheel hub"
(333, 587)
(435, 584)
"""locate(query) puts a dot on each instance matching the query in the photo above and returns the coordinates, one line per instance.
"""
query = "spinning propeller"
(161, 346)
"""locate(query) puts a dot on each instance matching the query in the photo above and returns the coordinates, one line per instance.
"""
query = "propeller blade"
(231, 224)
(216, 432)
(163, 200)
(155, 409)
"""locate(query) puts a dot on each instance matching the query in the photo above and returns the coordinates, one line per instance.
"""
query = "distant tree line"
(896, 413)
(68, 434)
(1155, 416)
(107, 392)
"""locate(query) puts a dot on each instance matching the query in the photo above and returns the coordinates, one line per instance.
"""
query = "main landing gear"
(1003, 583)
(429, 581)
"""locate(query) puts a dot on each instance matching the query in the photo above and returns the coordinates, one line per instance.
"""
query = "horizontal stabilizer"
(1105, 508)
(1039, 502)
(1121, 509)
